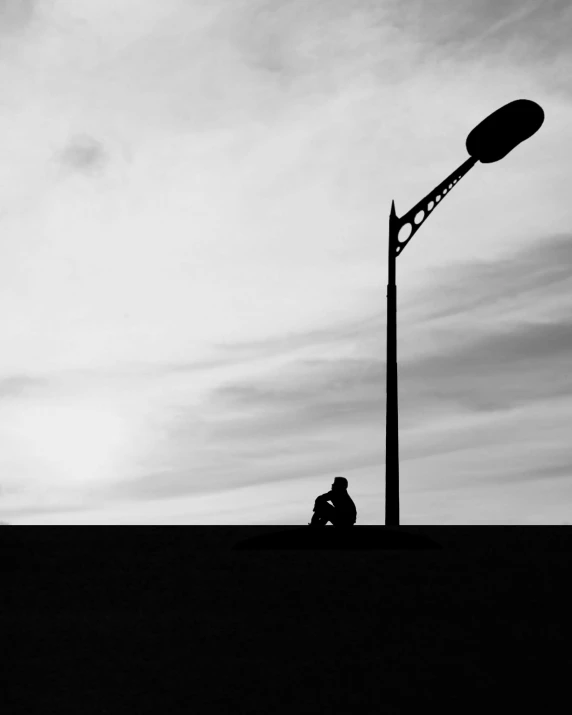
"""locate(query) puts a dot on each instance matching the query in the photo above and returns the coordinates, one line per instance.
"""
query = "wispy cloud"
(488, 377)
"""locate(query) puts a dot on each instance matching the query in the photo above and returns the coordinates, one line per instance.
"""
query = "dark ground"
(174, 619)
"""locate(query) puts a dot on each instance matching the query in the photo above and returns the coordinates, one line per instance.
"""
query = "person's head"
(340, 483)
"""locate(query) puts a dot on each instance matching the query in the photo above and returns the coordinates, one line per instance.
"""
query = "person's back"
(345, 507)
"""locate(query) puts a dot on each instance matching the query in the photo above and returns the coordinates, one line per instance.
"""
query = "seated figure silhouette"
(342, 513)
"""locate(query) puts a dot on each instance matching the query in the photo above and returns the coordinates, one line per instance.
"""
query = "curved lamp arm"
(412, 217)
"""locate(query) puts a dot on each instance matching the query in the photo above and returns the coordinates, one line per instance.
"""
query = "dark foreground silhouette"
(330, 537)
(157, 619)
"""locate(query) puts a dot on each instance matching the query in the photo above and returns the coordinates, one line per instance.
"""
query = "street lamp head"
(501, 131)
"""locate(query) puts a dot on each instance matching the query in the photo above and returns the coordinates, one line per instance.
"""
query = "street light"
(488, 142)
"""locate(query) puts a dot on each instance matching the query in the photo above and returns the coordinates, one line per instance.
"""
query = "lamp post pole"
(391, 411)
(415, 217)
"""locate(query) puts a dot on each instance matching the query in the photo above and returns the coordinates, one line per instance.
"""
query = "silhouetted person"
(342, 513)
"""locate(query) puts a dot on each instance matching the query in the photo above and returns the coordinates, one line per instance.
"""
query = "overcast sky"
(194, 201)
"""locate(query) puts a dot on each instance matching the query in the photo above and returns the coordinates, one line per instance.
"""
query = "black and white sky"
(194, 201)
